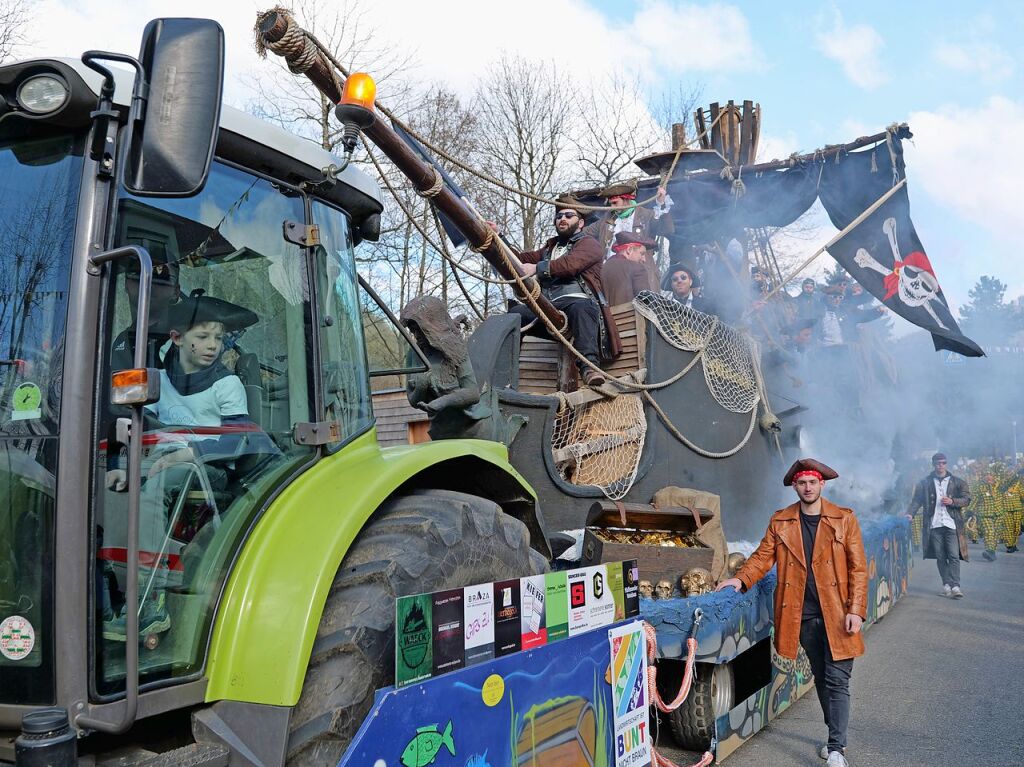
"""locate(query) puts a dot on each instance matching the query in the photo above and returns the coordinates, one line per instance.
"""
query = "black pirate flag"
(884, 254)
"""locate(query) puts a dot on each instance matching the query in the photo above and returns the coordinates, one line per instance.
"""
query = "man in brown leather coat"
(820, 608)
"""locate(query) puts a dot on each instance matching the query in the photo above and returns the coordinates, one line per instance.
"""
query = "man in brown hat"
(819, 607)
(628, 217)
(568, 268)
(624, 274)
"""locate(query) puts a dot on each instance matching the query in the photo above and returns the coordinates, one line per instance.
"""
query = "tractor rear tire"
(426, 541)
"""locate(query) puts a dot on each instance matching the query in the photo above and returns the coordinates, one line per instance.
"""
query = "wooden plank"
(747, 133)
(716, 131)
(701, 124)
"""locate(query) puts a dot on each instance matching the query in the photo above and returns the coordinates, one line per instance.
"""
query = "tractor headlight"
(42, 94)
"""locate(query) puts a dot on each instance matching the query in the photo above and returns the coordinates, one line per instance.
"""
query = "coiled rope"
(684, 688)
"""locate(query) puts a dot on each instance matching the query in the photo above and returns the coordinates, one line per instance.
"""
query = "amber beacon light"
(355, 111)
(360, 90)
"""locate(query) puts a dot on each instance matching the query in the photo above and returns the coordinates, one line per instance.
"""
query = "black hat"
(938, 457)
(625, 238)
(809, 280)
(199, 308)
(808, 464)
(666, 281)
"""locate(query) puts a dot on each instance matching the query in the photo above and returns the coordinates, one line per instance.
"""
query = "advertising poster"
(591, 604)
(448, 644)
(615, 583)
(478, 608)
(629, 696)
(533, 624)
(631, 588)
(556, 606)
(507, 636)
(413, 661)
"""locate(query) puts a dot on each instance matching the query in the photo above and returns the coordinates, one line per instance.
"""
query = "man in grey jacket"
(942, 498)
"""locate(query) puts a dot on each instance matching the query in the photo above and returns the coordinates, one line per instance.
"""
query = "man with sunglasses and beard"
(568, 268)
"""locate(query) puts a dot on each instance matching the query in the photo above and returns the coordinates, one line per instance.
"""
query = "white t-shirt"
(225, 398)
(941, 517)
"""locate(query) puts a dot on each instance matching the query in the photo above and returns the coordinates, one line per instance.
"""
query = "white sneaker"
(836, 759)
(947, 590)
(823, 753)
(957, 593)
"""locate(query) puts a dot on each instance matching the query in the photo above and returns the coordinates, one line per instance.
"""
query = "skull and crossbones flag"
(884, 254)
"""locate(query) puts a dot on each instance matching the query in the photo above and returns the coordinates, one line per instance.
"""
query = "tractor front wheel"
(426, 541)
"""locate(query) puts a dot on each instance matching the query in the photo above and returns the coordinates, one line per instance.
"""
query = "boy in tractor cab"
(200, 394)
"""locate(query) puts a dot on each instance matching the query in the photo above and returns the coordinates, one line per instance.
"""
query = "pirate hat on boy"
(198, 308)
(808, 466)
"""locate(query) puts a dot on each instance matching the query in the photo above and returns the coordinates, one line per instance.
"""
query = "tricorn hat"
(666, 281)
(619, 188)
(568, 202)
(625, 238)
(199, 308)
(808, 464)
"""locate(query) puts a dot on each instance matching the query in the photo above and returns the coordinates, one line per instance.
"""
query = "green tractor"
(184, 366)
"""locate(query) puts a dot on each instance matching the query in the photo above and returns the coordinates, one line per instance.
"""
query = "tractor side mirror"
(172, 142)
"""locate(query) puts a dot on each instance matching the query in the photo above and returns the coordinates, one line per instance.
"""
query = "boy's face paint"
(200, 346)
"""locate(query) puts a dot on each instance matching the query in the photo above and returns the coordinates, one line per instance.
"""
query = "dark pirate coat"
(925, 498)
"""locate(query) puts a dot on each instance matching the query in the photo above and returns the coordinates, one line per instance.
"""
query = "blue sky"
(823, 72)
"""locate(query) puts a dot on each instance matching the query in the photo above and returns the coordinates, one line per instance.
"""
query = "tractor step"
(193, 755)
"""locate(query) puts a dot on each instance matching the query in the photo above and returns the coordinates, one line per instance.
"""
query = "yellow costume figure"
(988, 502)
(1013, 513)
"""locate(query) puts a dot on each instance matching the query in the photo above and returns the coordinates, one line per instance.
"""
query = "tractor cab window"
(343, 353)
(39, 181)
(229, 330)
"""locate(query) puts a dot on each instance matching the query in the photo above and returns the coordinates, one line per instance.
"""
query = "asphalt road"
(941, 684)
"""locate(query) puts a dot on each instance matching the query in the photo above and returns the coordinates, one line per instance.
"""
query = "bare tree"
(14, 18)
(524, 109)
(612, 127)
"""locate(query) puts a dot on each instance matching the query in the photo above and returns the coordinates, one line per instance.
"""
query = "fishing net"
(600, 443)
(728, 362)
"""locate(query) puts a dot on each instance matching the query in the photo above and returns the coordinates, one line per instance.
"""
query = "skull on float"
(646, 589)
(663, 590)
(696, 581)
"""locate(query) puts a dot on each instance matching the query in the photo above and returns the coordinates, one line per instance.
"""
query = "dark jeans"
(946, 547)
(583, 315)
(831, 680)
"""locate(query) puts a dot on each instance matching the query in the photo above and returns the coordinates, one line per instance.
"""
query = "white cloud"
(977, 176)
(984, 58)
(856, 48)
(450, 42)
(685, 37)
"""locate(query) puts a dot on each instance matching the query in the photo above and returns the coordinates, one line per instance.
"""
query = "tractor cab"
(214, 283)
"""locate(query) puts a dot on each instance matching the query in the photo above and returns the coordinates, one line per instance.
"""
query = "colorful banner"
(629, 696)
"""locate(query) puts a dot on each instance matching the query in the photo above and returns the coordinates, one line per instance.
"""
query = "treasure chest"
(562, 733)
(662, 540)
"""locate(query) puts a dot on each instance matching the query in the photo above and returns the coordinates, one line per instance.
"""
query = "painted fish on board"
(424, 747)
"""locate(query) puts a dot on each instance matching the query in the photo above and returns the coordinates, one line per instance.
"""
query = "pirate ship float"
(689, 404)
